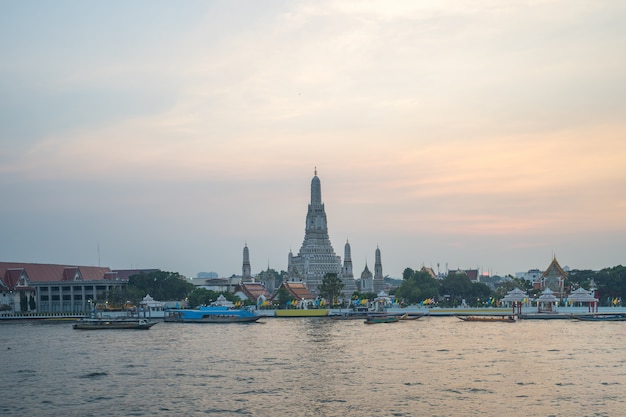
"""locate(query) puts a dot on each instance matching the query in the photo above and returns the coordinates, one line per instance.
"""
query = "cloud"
(427, 119)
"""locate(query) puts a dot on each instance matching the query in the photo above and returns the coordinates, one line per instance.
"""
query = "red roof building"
(251, 291)
(53, 288)
(297, 291)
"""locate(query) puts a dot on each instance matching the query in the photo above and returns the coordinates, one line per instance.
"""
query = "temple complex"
(316, 257)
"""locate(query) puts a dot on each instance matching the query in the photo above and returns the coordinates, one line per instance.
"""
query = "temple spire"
(316, 192)
(246, 271)
(379, 279)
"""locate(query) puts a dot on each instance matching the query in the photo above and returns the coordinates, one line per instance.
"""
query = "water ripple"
(317, 367)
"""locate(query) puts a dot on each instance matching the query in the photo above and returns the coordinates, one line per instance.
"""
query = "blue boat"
(211, 314)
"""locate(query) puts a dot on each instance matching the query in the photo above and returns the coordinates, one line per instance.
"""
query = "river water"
(435, 366)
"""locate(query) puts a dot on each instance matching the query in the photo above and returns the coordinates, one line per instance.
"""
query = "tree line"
(416, 287)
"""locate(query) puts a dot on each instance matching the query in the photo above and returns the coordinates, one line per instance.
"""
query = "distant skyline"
(486, 135)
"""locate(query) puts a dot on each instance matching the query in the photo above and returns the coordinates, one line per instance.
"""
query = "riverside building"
(52, 288)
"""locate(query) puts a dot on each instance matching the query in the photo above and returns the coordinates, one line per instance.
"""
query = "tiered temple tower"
(246, 274)
(347, 276)
(379, 279)
(317, 256)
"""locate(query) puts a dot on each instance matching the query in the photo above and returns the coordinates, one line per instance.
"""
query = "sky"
(450, 134)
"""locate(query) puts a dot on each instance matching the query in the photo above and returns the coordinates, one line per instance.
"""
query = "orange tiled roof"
(252, 290)
(11, 271)
(554, 269)
(298, 290)
(429, 271)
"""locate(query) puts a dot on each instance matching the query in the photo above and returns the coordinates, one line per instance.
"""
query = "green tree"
(416, 286)
(201, 296)
(161, 285)
(407, 274)
(479, 294)
(283, 297)
(31, 303)
(331, 288)
(456, 286)
(580, 278)
(118, 296)
(611, 284)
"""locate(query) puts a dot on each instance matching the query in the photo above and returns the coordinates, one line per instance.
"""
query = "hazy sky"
(168, 134)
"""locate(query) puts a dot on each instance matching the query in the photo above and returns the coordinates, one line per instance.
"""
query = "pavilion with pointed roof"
(546, 301)
(582, 296)
(516, 298)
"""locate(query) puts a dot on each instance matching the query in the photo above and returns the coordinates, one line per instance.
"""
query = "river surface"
(435, 366)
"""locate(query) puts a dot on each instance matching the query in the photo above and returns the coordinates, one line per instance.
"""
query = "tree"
(331, 288)
(31, 303)
(577, 278)
(511, 284)
(202, 296)
(479, 294)
(457, 286)
(283, 297)
(117, 297)
(161, 285)
(611, 284)
(416, 286)
(407, 274)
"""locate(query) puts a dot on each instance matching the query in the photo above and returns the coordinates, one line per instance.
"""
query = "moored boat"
(351, 315)
(545, 316)
(382, 319)
(211, 314)
(407, 316)
(600, 317)
(505, 319)
(113, 324)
